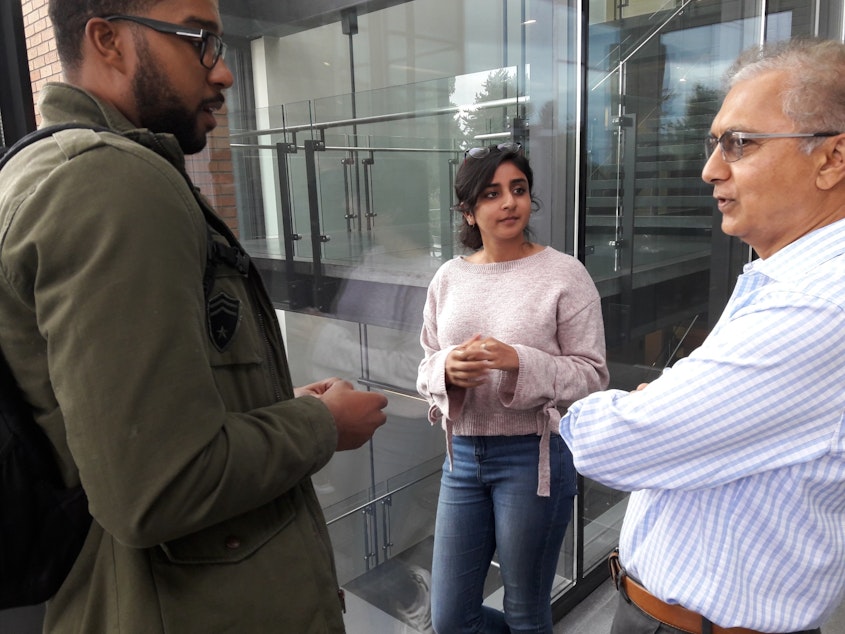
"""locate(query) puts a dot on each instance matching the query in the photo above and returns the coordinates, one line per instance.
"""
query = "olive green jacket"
(194, 454)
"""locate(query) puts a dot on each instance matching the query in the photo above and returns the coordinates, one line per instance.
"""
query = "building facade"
(335, 163)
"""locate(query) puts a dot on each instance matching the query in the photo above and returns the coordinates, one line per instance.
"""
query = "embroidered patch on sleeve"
(224, 317)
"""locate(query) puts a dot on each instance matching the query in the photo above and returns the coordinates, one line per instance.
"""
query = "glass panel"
(654, 84)
(567, 565)
(365, 201)
(653, 93)
(604, 509)
(388, 589)
(370, 357)
(394, 123)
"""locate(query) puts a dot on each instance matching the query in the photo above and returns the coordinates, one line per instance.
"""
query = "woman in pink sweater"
(512, 336)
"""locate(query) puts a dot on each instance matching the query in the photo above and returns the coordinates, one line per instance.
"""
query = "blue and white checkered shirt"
(736, 457)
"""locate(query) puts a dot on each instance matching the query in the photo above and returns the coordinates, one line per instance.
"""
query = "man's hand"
(357, 414)
(315, 389)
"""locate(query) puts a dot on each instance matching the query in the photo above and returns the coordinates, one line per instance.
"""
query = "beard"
(160, 108)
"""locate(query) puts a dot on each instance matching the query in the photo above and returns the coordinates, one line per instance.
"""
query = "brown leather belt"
(669, 614)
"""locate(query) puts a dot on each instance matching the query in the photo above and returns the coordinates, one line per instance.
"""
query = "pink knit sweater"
(546, 307)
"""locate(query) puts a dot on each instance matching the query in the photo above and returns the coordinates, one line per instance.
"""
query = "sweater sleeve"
(431, 378)
(577, 367)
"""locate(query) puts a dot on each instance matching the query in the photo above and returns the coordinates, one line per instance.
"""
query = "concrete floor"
(594, 615)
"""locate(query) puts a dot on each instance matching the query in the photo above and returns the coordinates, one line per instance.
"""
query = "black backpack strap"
(43, 133)
(230, 254)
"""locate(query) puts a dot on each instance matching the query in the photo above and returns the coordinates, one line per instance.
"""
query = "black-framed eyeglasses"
(509, 147)
(210, 46)
(732, 142)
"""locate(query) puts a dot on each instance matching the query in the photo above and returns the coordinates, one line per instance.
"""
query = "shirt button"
(233, 543)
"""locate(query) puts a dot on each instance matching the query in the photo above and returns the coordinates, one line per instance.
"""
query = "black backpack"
(43, 524)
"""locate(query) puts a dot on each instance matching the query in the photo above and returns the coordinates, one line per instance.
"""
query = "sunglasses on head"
(510, 147)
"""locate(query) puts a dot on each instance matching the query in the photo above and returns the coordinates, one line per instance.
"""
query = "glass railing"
(354, 185)
(383, 546)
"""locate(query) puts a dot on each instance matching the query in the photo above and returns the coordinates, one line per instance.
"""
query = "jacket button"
(233, 543)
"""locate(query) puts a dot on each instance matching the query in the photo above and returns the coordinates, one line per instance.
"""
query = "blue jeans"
(488, 503)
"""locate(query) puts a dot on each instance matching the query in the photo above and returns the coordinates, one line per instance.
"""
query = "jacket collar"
(61, 102)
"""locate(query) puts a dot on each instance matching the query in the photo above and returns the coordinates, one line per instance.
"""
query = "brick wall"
(210, 169)
(41, 49)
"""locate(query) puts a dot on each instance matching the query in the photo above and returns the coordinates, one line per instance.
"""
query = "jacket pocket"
(234, 540)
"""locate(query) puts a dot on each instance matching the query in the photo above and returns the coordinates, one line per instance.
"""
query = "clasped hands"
(468, 364)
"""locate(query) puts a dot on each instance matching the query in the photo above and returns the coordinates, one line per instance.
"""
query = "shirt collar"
(804, 254)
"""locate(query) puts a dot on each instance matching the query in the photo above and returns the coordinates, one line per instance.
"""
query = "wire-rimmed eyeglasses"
(509, 147)
(210, 46)
(732, 142)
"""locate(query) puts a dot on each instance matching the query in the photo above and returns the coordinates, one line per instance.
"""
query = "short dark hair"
(474, 175)
(69, 18)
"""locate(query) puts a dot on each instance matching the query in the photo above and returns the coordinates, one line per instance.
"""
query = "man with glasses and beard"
(736, 457)
(167, 395)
